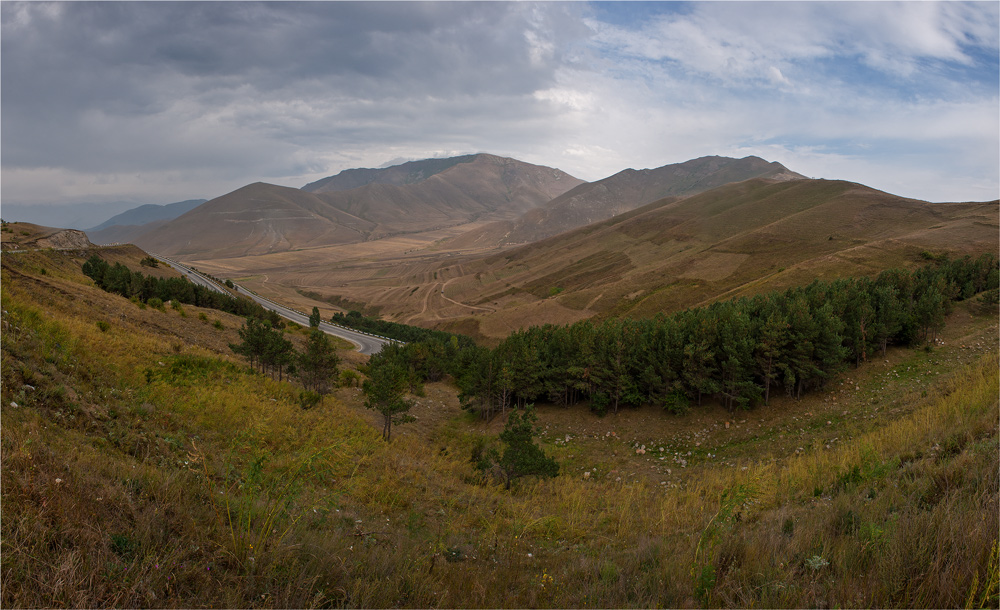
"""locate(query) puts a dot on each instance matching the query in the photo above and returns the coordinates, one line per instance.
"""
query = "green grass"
(139, 475)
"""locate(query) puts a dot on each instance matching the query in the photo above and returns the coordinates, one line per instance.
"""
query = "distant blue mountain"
(149, 213)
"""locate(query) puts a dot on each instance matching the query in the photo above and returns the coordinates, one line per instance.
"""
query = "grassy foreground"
(142, 466)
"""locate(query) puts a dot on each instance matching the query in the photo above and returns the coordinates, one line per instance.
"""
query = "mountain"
(148, 213)
(122, 234)
(67, 215)
(737, 239)
(627, 190)
(129, 225)
(254, 219)
(410, 172)
(262, 218)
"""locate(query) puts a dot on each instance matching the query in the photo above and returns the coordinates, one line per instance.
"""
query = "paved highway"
(367, 344)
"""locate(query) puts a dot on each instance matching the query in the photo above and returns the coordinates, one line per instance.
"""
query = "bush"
(156, 303)
(104, 326)
(349, 378)
(309, 399)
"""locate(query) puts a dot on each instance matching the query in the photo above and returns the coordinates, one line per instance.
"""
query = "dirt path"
(445, 285)
(594, 300)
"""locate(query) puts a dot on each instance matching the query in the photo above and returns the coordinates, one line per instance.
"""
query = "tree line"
(395, 330)
(121, 280)
(738, 352)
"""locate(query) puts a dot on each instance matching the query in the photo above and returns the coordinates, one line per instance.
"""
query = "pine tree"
(318, 363)
(384, 390)
(314, 318)
(521, 456)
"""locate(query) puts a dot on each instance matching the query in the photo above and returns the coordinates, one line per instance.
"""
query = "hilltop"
(28, 236)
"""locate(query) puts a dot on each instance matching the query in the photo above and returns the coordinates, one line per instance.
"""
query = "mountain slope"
(149, 213)
(741, 238)
(625, 191)
(29, 236)
(263, 218)
(254, 219)
(410, 172)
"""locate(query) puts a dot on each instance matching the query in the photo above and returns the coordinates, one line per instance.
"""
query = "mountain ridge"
(150, 212)
(625, 191)
(275, 218)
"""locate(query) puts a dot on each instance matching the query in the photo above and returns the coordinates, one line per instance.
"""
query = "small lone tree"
(384, 390)
(314, 318)
(521, 457)
(318, 364)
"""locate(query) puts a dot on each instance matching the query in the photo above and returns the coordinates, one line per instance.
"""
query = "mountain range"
(500, 201)
(741, 238)
(623, 192)
(413, 197)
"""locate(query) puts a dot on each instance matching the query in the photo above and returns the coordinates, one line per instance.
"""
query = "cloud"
(167, 101)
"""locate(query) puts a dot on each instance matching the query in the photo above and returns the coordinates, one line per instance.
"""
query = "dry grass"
(738, 240)
(118, 484)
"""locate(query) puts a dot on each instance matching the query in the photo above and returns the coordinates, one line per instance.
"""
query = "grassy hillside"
(144, 466)
(738, 240)
(625, 191)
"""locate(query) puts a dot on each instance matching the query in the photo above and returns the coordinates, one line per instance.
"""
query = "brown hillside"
(264, 218)
(410, 172)
(626, 191)
(739, 239)
(28, 236)
(123, 234)
(255, 219)
(486, 187)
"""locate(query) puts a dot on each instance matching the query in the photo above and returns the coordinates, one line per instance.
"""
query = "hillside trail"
(450, 300)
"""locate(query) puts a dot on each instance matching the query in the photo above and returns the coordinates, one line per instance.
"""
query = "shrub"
(349, 378)
(309, 399)
(521, 457)
(104, 326)
(155, 303)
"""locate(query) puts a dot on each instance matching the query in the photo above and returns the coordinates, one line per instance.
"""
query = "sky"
(150, 102)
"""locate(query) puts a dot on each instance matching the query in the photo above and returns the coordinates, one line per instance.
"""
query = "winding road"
(367, 344)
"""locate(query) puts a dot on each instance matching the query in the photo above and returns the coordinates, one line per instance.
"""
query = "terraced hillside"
(738, 239)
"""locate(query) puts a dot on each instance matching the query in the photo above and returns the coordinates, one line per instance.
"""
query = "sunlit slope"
(625, 191)
(737, 239)
(674, 255)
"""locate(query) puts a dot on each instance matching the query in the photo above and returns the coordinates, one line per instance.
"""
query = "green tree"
(521, 456)
(314, 318)
(384, 391)
(318, 364)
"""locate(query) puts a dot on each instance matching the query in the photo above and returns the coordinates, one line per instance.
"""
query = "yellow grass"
(123, 488)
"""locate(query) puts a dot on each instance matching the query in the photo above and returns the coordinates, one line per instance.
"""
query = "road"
(367, 344)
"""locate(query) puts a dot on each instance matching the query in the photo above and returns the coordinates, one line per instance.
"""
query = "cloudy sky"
(159, 102)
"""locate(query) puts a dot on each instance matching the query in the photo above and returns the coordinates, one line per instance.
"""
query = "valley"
(124, 444)
(145, 464)
(736, 240)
